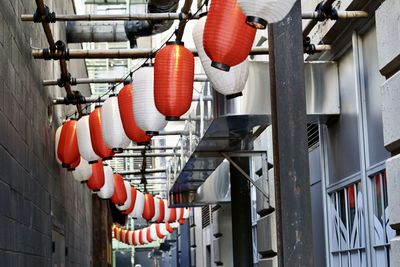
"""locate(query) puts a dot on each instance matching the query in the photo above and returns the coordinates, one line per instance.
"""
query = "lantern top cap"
(176, 42)
(97, 106)
(203, 14)
(112, 95)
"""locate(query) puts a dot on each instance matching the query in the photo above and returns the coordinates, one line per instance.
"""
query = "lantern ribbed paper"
(57, 140)
(120, 195)
(261, 12)
(96, 135)
(227, 39)
(229, 83)
(133, 200)
(96, 181)
(147, 117)
(83, 172)
(125, 102)
(139, 205)
(149, 208)
(173, 80)
(107, 190)
(68, 151)
(84, 140)
(127, 203)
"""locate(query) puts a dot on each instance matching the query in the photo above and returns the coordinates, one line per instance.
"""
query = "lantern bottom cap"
(152, 133)
(117, 150)
(70, 169)
(172, 118)
(106, 158)
(96, 190)
(84, 182)
(234, 95)
(256, 22)
(93, 161)
(220, 66)
(65, 165)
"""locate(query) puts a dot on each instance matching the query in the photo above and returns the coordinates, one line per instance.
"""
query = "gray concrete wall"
(39, 202)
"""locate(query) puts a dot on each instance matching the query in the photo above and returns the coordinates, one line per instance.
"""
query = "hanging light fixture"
(261, 12)
(179, 214)
(167, 211)
(133, 200)
(107, 190)
(134, 240)
(173, 80)
(83, 171)
(186, 213)
(139, 205)
(169, 228)
(57, 141)
(130, 237)
(149, 208)
(84, 141)
(96, 181)
(143, 233)
(163, 229)
(227, 46)
(128, 201)
(161, 209)
(147, 117)
(96, 135)
(68, 151)
(120, 195)
(125, 102)
(172, 215)
(74, 164)
(160, 235)
(127, 237)
(150, 234)
(137, 236)
(156, 209)
(230, 84)
(113, 132)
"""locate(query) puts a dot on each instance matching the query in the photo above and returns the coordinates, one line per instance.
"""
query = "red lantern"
(173, 80)
(133, 200)
(169, 227)
(115, 230)
(141, 241)
(96, 135)
(134, 241)
(181, 214)
(182, 221)
(119, 197)
(172, 217)
(158, 231)
(125, 104)
(149, 209)
(148, 234)
(74, 165)
(227, 38)
(96, 181)
(68, 151)
(127, 236)
(162, 211)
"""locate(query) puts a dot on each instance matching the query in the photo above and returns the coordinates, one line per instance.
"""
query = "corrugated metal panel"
(205, 216)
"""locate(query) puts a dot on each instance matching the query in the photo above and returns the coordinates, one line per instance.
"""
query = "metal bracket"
(245, 175)
(326, 12)
(49, 17)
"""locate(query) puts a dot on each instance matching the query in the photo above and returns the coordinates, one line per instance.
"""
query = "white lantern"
(83, 172)
(163, 229)
(139, 205)
(113, 131)
(136, 235)
(128, 200)
(84, 140)
(129, 241)
(167, 211)
(156, 209)
(107, 190)
(229, 83)
(144, 236)
(147, 117)
(153, 231)
(57, 139)
(186, 213)
(261, 12)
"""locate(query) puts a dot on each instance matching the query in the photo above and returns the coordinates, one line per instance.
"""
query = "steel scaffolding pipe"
(88, 100)
(147, 177)
(140, 148)
(140, 172)
(127, 53)
(150, 155)
(170, 16)
(75, 81)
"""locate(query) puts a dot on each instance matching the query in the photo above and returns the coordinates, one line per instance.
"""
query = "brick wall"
(39, 202)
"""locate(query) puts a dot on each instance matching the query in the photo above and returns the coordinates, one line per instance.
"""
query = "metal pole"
(128, 53)
(140, 172)
(289, 121)
(242, 243)
(314, 22)
(151, 155)
(182, 23)
(46, 27)
(197, 78)
(341, 15)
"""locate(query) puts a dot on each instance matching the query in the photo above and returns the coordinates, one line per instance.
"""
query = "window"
(382, 230)
(348, 231)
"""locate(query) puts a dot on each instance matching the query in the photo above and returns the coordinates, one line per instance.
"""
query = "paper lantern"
(173, 80)
(107, 190)
(156, 209)
(133, 200)
(172, 215)
(113, 132)
(120, 195)
(114, 229)
(68, 151)
(147, 117)
(57, 141)
(74, 164)
(260, 13)
(179, 214)
(139, 205)
(161, 216)
(96, 135)
(149, 208)
(130, 237)
(169, 228)
(127, 237)
(186, 213)
(138, 237)
(182, 221)
(143, 233)
(227, 39)
(159, 233)
(134, 240)
(83, 171)
(167, 211)
(128, 200)
(125, 103)
(84, 140)
(163, 229)
(119, 234)
(150, 234)
(153, 232)
(230, 84)
(97, 180)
